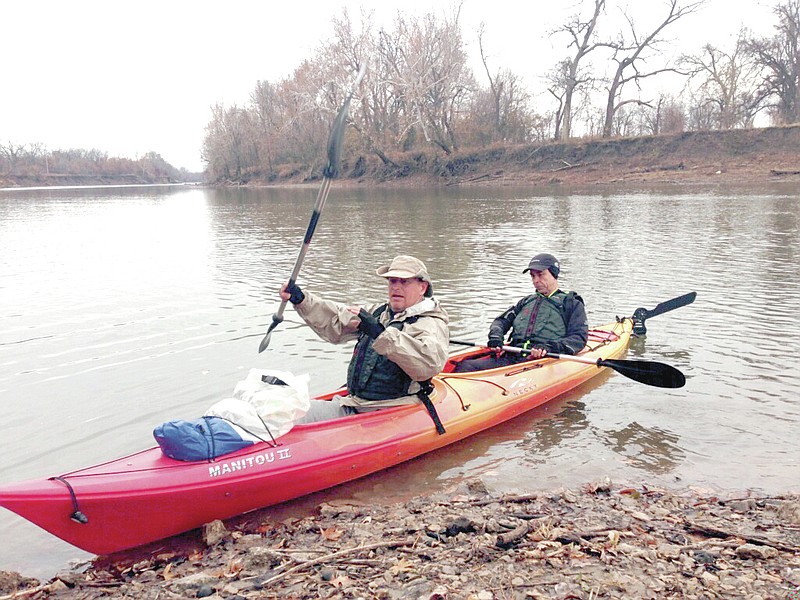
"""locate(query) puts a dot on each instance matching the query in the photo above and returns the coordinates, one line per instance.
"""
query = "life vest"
(540, 319)
(372, 376)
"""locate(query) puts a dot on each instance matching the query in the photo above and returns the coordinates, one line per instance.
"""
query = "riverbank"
(599, 541)
(744, 156)
(735, 157)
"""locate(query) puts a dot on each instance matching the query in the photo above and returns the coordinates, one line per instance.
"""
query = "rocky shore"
(600, 541)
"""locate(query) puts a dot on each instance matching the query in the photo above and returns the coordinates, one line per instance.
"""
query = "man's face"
(405, 293)
(544, 282)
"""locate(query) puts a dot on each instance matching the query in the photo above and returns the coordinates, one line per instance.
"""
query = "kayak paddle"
(644, 371)
(331, 171)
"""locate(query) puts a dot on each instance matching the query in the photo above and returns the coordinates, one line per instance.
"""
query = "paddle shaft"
(516, 350)
(331, 171)
(322, 196)
(581, 359)
(644, 371)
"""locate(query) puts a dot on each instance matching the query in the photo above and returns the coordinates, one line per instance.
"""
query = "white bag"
(265, 405)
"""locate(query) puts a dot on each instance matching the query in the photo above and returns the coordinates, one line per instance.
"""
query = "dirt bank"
(743, 156)
(753, 156)
(601, 541)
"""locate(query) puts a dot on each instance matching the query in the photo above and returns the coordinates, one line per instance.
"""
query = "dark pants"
(488, 362)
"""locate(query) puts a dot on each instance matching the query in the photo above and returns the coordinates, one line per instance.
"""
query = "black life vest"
(372, 376)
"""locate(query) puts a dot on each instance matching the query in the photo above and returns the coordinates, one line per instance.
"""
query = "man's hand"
(537, 352)
(369, 324)
(292, 292)
(495, 343)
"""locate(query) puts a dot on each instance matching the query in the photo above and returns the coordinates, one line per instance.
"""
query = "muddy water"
(123, 308)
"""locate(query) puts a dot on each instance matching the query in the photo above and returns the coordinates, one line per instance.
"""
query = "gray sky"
(131, 77)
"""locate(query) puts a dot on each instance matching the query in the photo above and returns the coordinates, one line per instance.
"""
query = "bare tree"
(265, 104)
(629, 55)
(377, 115)
(428, 68)
(727, 83)
(780, 58)
(509, 114)
(224, 143)
(669, 116)
(569, 75)
(11, 154)
(557, 87)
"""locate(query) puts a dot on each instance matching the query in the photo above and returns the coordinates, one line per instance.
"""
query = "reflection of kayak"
(147, 496)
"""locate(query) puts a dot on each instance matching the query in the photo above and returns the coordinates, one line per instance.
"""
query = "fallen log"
(711, 531)
(336, 556)
(506, 540)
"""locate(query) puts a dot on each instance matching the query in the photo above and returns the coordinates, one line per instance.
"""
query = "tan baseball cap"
(405, 267)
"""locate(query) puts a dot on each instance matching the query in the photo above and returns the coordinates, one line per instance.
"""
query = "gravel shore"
(599, 541)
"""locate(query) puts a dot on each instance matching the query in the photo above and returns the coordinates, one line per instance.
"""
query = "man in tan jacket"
(400, 344)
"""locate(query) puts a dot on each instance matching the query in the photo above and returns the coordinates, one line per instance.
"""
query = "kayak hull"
(147, 496)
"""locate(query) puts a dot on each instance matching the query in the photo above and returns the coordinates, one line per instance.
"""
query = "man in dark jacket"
(551, 320)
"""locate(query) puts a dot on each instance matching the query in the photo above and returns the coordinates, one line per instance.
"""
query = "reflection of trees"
(568, 423)
(651, 449)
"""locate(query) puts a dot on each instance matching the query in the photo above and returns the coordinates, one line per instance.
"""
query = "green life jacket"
(372, 376)
(540, 319)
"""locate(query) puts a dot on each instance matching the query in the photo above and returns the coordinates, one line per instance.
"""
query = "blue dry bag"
(200, 439)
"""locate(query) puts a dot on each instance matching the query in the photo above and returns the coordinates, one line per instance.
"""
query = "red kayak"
(147, 496)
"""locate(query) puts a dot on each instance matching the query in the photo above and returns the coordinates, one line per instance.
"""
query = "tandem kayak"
(147, 496)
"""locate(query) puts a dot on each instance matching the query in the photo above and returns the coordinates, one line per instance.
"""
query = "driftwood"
(502, 499)
(567, 166)
(785, 171)
(528, 516)
(29, 592)
(486, 176)
(506, 540)
(678, 167)
(336, 556)
(530, 155)
(711, 531)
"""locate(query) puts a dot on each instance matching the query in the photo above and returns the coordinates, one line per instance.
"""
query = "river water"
(123, 308)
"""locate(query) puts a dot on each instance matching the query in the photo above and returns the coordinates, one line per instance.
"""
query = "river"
(121, 308)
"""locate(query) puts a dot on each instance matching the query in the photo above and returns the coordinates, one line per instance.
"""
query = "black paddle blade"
(671, 304)
(336, 137)
(640, 315)
(335, 141)
(651, 373)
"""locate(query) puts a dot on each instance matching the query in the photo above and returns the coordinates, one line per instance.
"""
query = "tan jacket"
(420, 349)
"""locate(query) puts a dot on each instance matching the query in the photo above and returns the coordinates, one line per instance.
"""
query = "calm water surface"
(124, 308)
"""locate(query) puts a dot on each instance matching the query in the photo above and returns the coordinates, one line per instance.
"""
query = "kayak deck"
(147, 496)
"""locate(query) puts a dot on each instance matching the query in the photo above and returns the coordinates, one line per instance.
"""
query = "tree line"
(420, 94)
(35, 162)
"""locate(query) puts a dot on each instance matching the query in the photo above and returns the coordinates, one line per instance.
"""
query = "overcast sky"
(128, 77)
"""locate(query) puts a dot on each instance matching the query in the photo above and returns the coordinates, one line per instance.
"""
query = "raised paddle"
(331, 172)
(644, 371)
(640, 315)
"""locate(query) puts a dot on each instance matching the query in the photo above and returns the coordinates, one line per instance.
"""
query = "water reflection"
(566, 424)
(651, 449)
